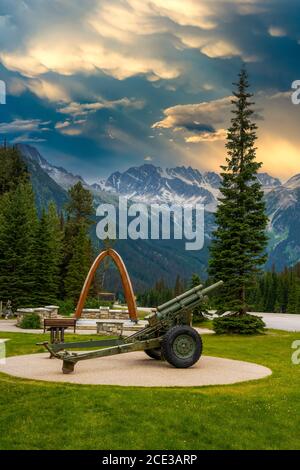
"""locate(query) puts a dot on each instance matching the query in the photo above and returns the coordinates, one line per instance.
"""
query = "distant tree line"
(161, 292)
(276, 292)
(271, 291)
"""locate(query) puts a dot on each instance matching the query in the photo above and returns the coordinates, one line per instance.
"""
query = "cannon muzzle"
(212, 287)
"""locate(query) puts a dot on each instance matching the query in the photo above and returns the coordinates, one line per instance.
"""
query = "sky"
(102, 85)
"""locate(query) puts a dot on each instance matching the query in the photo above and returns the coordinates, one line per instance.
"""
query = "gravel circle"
(135, 369)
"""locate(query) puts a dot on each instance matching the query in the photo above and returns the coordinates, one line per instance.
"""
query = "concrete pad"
(135, 369)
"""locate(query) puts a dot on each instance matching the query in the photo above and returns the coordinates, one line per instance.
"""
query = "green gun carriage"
(168, 335)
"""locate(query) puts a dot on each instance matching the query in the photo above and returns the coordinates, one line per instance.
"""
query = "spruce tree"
(198, 312)
(80, 206)
(179, 287)
(49, 253)
(76, 230)
(55, 246)
(18, 227)
(293, 294)
(13, 170)
(238, 247)
(79, 265)
(195, 280)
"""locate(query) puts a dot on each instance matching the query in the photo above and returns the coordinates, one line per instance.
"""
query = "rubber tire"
(154, 353)
(169, 353)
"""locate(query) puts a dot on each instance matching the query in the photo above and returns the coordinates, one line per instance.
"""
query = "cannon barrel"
(189, 300)
(179, 297)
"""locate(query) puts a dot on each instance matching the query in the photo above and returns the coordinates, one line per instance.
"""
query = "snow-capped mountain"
(62, 177)
(100, 186)
(149, 183)
(152, 184)
(268, 182)
(292, 183)
(179, 185)
(283, 209)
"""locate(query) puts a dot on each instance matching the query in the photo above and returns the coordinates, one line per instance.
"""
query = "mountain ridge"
(181, 185)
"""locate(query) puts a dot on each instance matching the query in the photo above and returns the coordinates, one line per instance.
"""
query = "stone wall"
(110, 328)
(51, 311)
(104, 313)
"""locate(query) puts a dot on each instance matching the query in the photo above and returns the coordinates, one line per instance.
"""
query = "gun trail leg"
(68, 367)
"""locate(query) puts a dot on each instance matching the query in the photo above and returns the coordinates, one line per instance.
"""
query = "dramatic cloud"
(121, 38)
(70, 127)
(105, 71)
(277, 32)
(204, 125)
(20, 125)
(27, 139)
(83, 109)
(198, 121)
(220, 49)
(207, 136)
(44, 89)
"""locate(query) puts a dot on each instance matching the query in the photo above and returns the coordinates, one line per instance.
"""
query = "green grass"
(204, 324)
(263, 414)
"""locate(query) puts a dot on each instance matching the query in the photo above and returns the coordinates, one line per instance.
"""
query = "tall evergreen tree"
(293, 305)
(238, 247)
(49, 256)
(195, 280)
(80, 206)
(18, 227)
(201, 309)
(13, 170)
(179, 286)
(76, 230)
(79, 265)
(55, 245)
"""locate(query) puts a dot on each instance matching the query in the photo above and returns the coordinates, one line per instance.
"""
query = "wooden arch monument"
(127, 286)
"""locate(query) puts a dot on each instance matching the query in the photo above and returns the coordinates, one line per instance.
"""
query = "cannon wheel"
(182, 346)
(154, 353)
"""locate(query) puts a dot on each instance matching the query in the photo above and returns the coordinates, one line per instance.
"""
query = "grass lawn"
(263, 414)
(204, 324)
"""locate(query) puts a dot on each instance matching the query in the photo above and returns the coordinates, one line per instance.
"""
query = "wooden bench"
(57, 327)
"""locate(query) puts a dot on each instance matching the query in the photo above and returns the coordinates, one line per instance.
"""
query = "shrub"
(66, 307)
(31, 321)
(199, 315)
(238, 324)
(92, 302)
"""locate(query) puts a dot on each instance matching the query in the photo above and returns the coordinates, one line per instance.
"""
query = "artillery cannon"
(167, 336)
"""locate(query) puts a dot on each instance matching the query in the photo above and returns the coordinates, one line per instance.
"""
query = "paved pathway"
(9, 326)
(281, 321)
